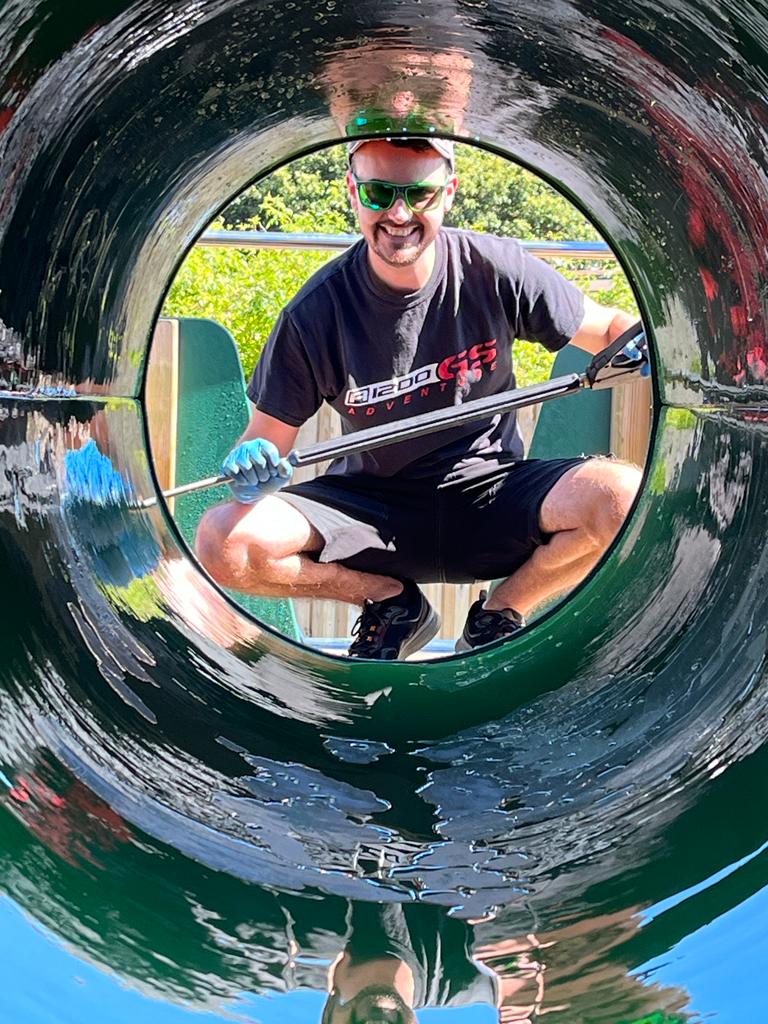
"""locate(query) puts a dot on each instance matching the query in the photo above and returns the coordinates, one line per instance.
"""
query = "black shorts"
(458, 532)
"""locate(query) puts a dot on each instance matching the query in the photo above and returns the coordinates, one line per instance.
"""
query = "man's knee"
(594, 497)
(213, 541)
(234, 539)
(615, 488)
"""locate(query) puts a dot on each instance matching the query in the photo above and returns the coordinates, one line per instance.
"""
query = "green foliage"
(533, 363)
(242, 289)
(141, 598)
(245, 289)
(309, 194)
(501, 198)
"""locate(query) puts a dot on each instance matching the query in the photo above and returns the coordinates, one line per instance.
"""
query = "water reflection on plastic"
(198, 815)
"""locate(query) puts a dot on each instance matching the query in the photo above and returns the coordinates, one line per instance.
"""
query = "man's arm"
(282, 435)
(520, 977)
(600, 326)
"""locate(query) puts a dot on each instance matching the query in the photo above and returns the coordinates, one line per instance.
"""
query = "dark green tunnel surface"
(162, 751)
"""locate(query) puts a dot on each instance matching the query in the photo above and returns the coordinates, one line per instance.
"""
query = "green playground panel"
(213, 411)
(580, 423)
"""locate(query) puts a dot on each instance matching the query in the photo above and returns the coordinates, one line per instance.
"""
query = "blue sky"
(43, 983)
(721, 965)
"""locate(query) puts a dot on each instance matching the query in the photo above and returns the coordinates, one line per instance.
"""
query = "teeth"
(398, 232)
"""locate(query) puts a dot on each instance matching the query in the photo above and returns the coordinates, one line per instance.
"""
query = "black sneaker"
(394, 628)
(484, 625)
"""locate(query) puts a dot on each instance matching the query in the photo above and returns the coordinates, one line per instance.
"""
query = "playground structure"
(559, 778)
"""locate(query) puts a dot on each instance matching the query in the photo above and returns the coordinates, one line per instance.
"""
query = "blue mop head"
(90, 476)
(105, 520)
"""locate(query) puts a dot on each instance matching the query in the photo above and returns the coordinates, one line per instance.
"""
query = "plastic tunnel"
(554, 786)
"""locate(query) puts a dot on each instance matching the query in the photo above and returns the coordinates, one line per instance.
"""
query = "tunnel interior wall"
(123, 132)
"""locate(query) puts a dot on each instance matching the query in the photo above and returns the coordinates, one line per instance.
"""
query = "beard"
(399, 252)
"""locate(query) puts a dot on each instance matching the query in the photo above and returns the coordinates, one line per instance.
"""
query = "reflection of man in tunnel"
(413, 318)
(400, 958)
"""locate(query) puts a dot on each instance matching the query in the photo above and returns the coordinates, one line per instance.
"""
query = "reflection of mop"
(103, 511)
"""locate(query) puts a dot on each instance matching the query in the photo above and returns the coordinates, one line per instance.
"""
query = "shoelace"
(367, 630)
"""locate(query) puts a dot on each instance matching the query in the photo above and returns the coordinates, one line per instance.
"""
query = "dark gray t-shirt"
(436, 947)
(378, 355)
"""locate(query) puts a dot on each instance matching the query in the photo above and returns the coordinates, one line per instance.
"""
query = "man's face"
(399, 236)
(373, 1005)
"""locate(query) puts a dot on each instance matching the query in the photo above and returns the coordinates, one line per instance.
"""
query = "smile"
(399, 232)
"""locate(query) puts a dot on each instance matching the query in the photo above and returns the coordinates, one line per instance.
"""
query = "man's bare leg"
(584, 511)
(265, 548)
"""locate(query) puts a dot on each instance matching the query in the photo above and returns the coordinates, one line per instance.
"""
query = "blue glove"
(24, 391)
(636, 351)
(52, 392)
(255, 469)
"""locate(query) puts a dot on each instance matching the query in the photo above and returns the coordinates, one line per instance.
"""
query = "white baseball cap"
(444, 147)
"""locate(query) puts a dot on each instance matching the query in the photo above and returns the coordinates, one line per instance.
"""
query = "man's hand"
(255, 469)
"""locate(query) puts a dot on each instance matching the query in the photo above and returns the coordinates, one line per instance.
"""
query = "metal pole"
(338, 243)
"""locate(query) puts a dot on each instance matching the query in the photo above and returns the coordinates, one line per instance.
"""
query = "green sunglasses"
(419, 196)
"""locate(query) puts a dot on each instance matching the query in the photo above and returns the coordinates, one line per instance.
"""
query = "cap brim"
(444, 147)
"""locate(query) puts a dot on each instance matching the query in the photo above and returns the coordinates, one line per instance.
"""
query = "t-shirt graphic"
(378, 355)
